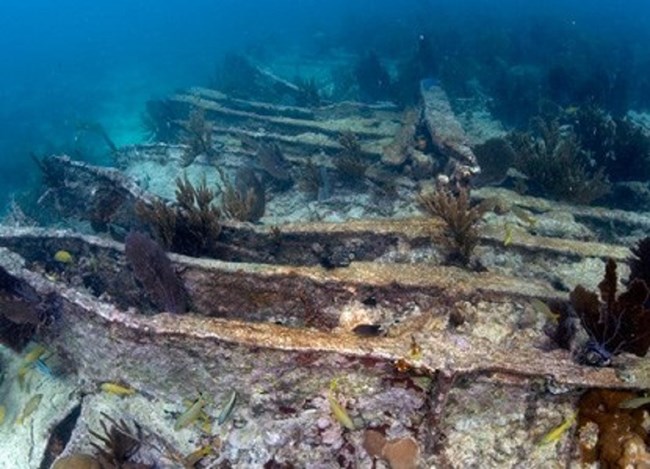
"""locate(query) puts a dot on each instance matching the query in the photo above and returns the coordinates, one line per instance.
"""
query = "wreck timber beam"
(602, 215)
(229, 289)
(303, 144)
(368, 239)
(363, 128)
(446, 131)
(86, 321)
(257, 107)
(328, 111)
(418, 230)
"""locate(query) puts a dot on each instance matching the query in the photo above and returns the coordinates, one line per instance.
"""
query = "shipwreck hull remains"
(328, 333)
(248, 332)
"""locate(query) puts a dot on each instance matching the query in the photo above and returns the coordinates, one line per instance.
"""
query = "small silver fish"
(228, 407)
(634, 403)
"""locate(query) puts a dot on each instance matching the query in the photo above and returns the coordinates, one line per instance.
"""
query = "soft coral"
(613, 323)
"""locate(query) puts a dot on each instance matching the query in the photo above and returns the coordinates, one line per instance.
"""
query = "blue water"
(68, 62)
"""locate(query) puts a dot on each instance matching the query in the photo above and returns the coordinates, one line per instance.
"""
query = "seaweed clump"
(617, 144)
(460, 217)
(118, 444)
(640, 263)
(192, 226)
(104, 208)
(350, 162)
(312, 179)
(614, 323)
(244, 200)
(553, 160)
(198, 137)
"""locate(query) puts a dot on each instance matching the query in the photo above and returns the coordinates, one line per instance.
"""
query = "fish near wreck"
(29, 408)
(117, 389)
(556, 433)
(192, 414)
(228, 407)
(338, 411)
(63, 257)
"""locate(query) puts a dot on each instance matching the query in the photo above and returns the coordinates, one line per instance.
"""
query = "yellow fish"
(556, 433)
(339, 413)
(23, 384)
(192, 414)
(27, 364)
(34, 354)
(117, 389)
(3, 413)
(507, 236)
(30, 407)
(337, 409)
(195, 456)
(64, 257)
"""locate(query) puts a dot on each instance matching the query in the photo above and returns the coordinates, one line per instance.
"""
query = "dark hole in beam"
(59, 437)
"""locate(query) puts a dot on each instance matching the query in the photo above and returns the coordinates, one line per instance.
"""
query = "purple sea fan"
(153, 269)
